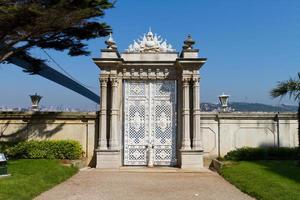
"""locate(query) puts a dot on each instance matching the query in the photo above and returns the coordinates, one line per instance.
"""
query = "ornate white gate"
(150, 122)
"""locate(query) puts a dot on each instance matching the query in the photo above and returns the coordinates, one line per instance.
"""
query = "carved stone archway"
(154, 63)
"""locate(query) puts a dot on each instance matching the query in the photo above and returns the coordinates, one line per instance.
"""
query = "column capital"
(185, 80)
(196, 81)
(114, 81)
(196, 78)
(103, 81)
(103, 77)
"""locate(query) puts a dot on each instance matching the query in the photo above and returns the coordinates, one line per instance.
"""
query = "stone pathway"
(150, 185)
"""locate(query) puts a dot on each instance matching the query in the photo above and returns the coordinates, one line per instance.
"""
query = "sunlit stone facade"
(150, 105)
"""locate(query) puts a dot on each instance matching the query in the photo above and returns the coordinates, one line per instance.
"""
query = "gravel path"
(108, 185)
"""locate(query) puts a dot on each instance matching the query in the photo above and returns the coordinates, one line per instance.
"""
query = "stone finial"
(188, 43)
(111, 44)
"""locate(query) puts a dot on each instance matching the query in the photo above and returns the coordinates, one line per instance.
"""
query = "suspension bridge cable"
(68, 74)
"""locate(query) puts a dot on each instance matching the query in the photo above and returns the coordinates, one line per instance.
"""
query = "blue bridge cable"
(57, 77)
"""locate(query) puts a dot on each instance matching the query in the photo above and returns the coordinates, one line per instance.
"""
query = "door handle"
(149, 146)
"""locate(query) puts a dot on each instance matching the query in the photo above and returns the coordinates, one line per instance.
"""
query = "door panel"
(150, 120)
(163, 123)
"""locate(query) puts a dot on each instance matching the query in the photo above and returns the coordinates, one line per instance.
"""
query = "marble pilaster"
(186, 141)
(114, 140)
(197, 138)
(102, 141)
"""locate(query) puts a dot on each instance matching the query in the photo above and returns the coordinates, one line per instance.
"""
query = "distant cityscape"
(205, 107)
(45, 109)
(248, 107)
(210, 107)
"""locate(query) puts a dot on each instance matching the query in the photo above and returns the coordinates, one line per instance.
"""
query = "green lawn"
(265, 180)
(29, 178)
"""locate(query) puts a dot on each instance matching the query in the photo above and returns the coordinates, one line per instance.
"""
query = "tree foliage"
(290, 87)
(50, 24)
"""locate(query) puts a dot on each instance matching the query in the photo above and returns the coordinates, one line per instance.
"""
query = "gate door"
(150, 121)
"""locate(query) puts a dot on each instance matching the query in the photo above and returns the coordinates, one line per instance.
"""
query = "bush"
(262, 153)
(6, 145)
(60, 149)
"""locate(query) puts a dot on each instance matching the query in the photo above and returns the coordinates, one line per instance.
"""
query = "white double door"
(150, 122)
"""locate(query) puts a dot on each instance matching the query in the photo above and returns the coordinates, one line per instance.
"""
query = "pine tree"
(50, 24)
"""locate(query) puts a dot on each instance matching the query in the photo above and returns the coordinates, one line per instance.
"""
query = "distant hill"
(250, 107)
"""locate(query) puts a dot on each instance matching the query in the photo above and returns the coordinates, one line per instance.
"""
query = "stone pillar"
(186, 141)
(102, 142)
(190, 158)
(113, 141)
(197, 138)
(108, 155)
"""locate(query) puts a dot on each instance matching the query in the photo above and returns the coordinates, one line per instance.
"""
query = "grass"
(29, 178)
(265, 180)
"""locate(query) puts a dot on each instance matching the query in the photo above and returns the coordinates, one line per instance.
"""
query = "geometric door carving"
(150, 122)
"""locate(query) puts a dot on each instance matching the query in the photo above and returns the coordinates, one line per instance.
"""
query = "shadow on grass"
(287, 168)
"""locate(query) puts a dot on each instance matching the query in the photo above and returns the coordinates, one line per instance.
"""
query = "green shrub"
(60, 149)
(262, 153)
(6, 145)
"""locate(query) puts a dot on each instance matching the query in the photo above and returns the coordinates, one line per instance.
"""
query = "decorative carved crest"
(150, 43)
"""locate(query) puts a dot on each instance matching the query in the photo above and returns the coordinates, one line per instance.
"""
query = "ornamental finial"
(111, 44)
(188, 43)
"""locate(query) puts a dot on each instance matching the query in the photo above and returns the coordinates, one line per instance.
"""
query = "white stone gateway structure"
(150, 105)
(150, 114)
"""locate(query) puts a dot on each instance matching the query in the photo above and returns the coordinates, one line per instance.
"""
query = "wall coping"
(250, 115)
(204, 115)
(56, 115)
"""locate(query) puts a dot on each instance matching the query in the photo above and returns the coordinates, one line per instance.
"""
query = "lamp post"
(224, 102)
(35, 99)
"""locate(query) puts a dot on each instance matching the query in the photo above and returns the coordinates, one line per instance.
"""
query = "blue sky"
(250, 46)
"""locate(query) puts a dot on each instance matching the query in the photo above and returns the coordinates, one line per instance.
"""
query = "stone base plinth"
(191, 159)
(108, 159)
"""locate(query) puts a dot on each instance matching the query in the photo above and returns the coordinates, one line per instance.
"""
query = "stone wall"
(221, 132)
(79, 126)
